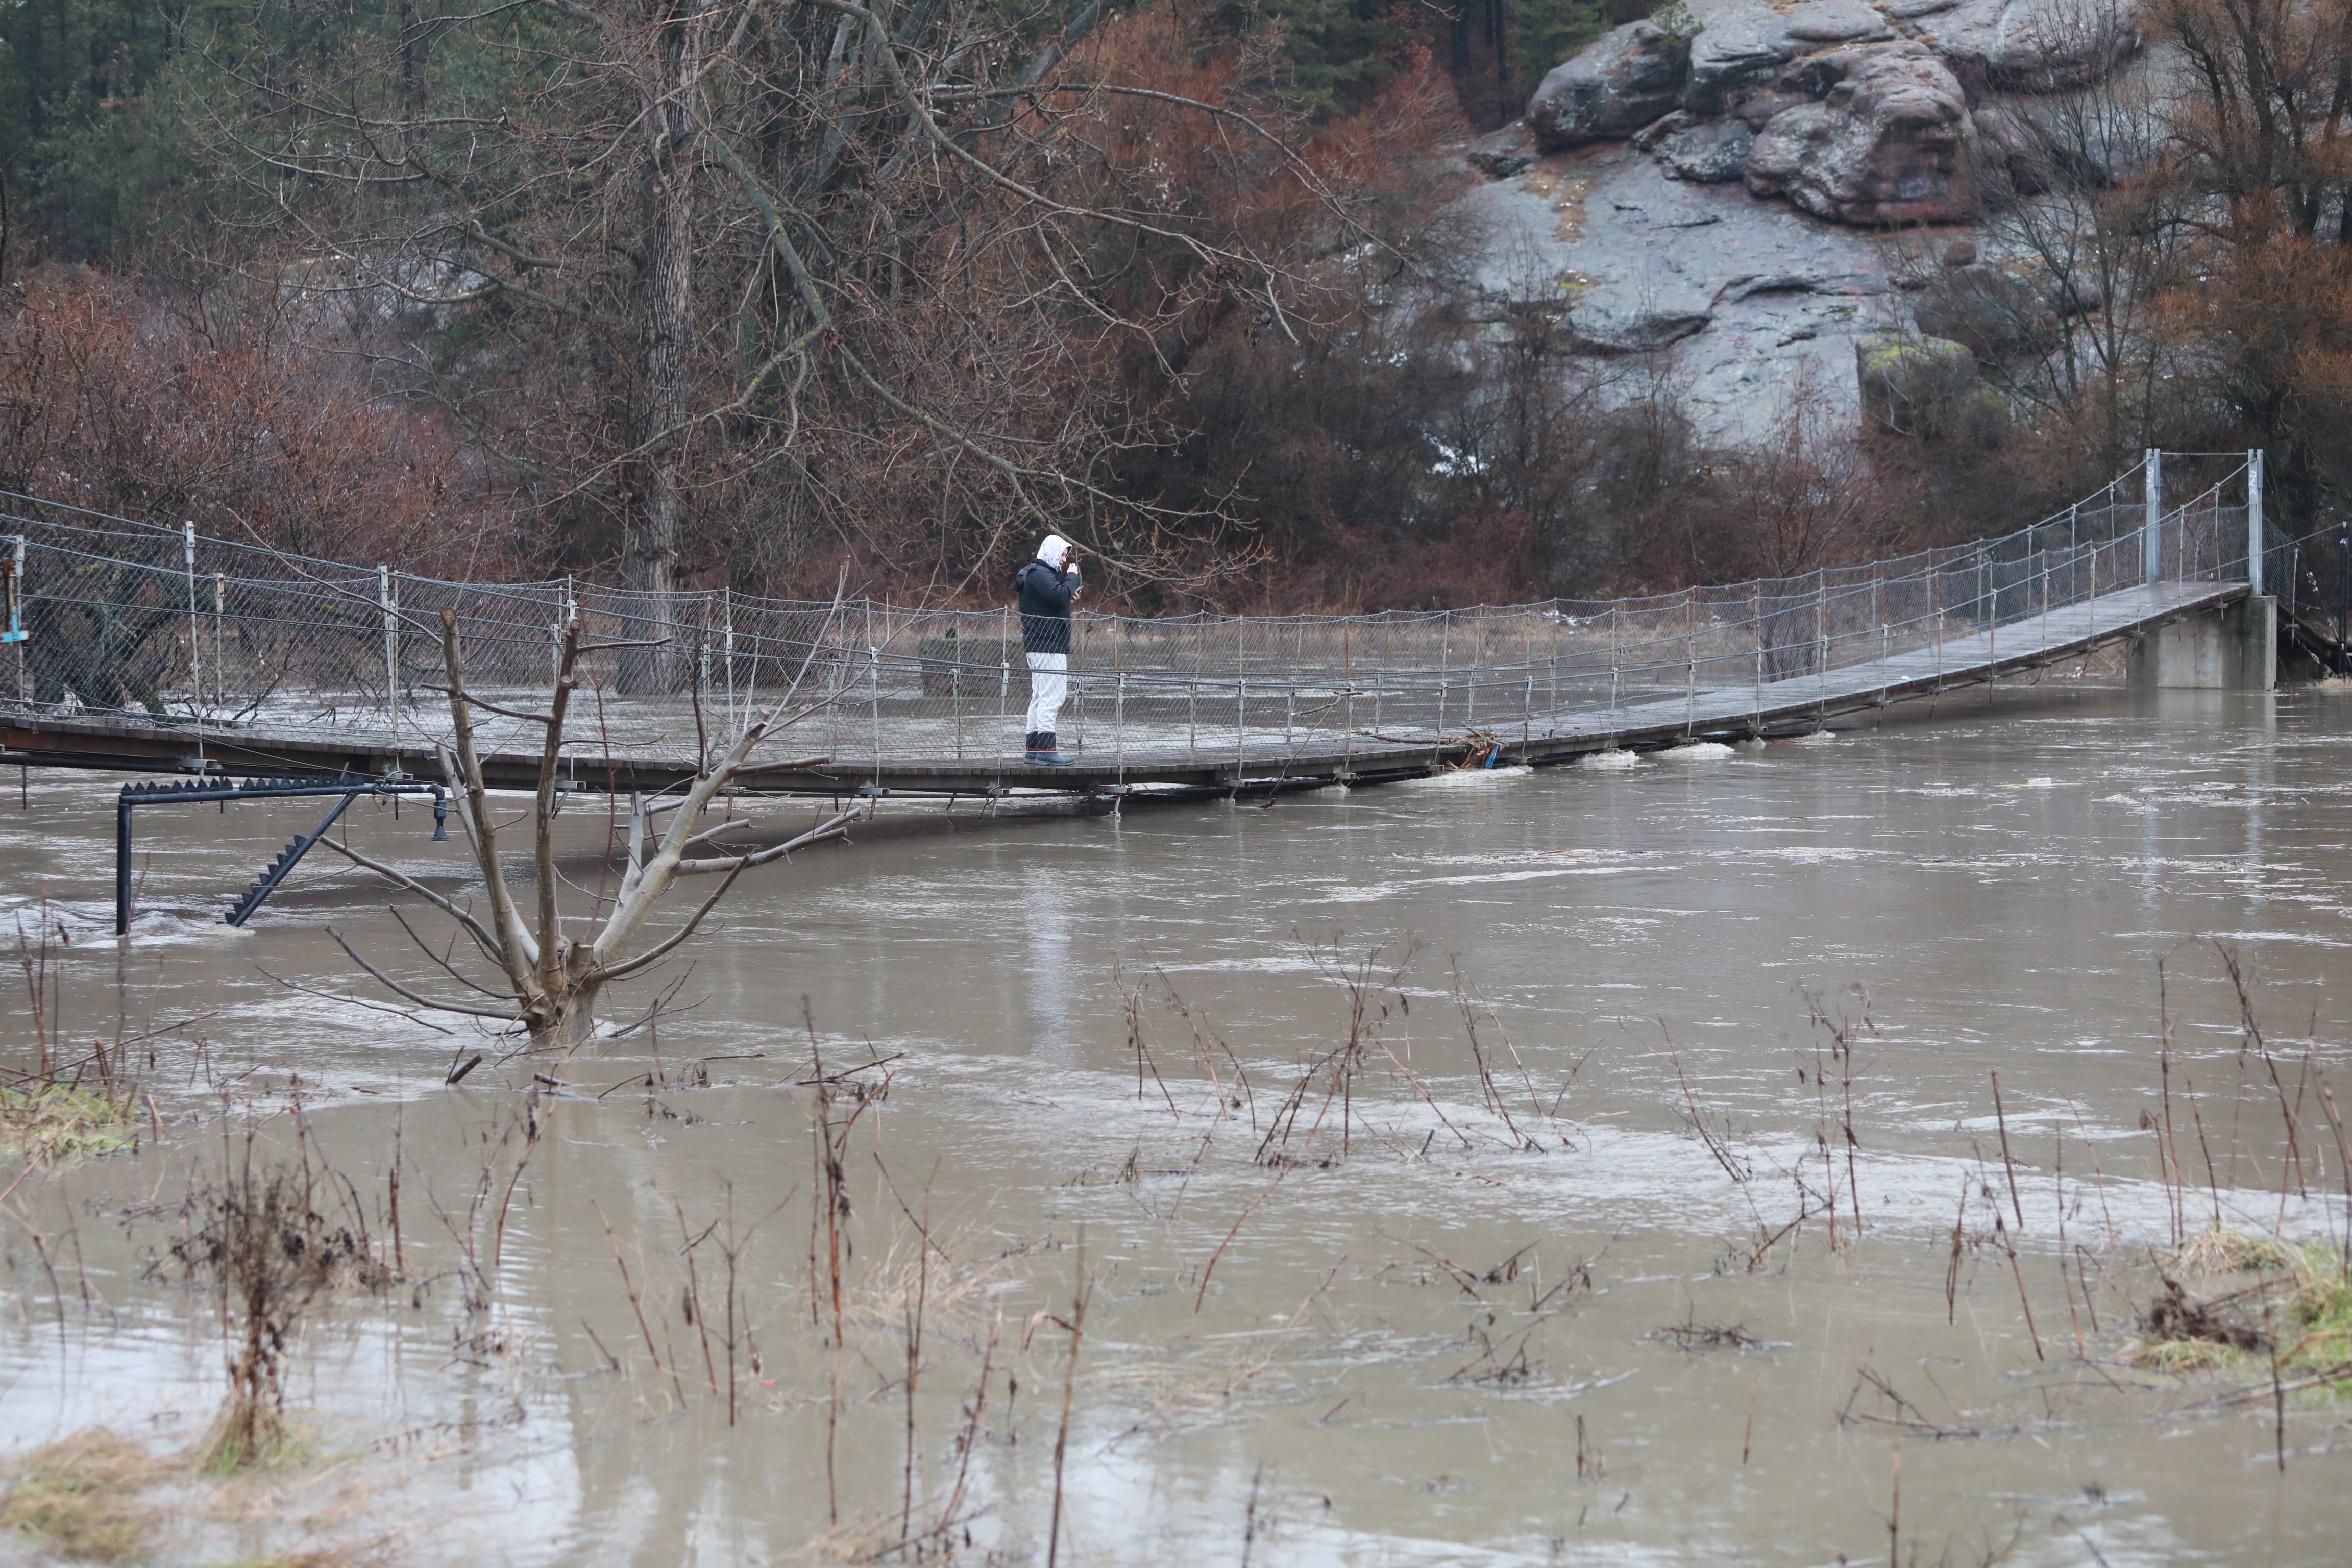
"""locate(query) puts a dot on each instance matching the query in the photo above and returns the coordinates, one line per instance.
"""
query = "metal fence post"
(1470, 677)
(1192, 691)
(1241, 692)
(2255, 521)
(1527, 693)
(1241, 715)
(2074, 553)
(727, 632)
(1690, 659)
(1290, 698)
(1079, 626)
(1551, 713)
(1615, 675)
(1445, 662)
(391, 662)
(15, 568)
(195, 665)
(1936, 615)
(702, 659)
(1756, 614)
(873, 690)
(1885, 632)
(1992, 616)
(1347, 687)
(2152, 541)
(555, 636)
(1821, 637)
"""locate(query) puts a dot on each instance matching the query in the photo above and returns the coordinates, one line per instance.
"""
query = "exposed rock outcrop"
(1620, 83)
(2035, 46)
(1755, 152)
(1638, 314)
(1742, 43)
(1707, 154)
(1893, 86)
(1891, 142)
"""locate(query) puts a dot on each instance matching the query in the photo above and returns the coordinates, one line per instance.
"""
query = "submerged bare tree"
(549, 976)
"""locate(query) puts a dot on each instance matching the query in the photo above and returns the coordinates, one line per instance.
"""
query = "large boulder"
(1996, 313)
(1742, 43)
(2035, 46)
(1709, 154)
(1819, 22)
(1927, 386)
(1892, 142)
(1638, 315)
(1618, 84)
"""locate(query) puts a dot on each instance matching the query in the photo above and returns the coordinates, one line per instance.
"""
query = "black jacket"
(1046, 596)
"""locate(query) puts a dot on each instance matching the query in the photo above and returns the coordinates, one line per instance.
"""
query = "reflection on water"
(1045, 898)
(1483, 1335)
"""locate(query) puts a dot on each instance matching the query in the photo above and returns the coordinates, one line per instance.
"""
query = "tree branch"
(509, 1016)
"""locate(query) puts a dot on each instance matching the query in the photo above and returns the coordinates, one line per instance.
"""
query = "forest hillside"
(1310, 304)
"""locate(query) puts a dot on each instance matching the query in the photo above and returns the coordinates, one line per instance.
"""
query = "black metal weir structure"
(149, 648)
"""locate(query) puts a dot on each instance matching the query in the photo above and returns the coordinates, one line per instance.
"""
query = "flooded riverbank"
(1557, 1166)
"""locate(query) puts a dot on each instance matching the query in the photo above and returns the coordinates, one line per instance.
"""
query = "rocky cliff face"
(1749, 182)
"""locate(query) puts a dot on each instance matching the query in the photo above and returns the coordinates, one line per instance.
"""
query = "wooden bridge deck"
(1323, 757)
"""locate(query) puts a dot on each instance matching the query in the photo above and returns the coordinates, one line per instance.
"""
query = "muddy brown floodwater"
(1631, 1298)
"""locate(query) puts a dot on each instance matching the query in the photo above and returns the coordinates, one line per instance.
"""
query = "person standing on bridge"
(1048, 585)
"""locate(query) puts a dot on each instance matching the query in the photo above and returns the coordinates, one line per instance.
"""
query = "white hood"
(1055, 550)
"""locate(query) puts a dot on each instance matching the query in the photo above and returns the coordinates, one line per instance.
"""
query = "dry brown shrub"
(159, 404)
(256, 1235)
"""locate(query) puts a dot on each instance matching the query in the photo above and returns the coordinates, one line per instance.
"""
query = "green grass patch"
(77, 1497)
(55, 1123)
(2273, 1297)
(2323, 1312)
(271, 1444)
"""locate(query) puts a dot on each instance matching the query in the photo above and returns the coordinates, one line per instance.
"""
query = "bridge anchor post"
(2233, 648)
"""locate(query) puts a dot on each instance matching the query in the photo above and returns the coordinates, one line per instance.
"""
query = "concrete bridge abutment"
(2233, 648)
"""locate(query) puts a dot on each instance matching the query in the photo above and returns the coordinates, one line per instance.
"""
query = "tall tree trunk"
(656, 505)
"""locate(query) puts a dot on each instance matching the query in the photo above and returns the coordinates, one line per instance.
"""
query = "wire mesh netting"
(159, 627)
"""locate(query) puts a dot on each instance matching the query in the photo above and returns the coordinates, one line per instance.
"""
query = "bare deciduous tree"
(754, 279)
(549, 975)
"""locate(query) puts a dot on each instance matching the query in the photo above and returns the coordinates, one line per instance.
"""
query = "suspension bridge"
(147, 648)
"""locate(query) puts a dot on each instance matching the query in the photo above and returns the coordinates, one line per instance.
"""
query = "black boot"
(1045, 754)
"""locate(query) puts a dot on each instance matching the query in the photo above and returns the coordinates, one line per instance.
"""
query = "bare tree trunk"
(664, 312)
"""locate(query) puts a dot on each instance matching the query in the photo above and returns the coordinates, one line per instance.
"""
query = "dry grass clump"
(2293, 1319)
(53, 1120)
(2219, 1250)
(78, 1497)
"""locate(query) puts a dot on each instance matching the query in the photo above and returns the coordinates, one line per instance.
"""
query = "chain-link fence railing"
(161, 628)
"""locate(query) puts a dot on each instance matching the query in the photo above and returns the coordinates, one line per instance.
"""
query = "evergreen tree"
(90, 155)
